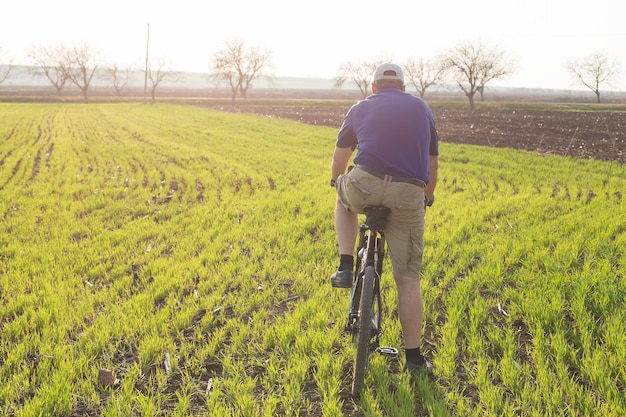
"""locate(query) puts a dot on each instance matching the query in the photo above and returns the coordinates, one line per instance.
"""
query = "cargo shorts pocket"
(408, 200)
(415, 251)
(362, 186)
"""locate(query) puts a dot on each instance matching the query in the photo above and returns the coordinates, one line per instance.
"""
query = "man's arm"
(432, 183)
(341, 157)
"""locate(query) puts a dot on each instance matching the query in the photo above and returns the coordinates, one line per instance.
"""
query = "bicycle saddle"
(376, 216)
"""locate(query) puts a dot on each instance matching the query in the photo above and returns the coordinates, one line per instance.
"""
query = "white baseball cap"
(389, 71)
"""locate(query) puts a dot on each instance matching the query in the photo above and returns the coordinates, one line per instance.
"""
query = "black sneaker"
(341, 279)
(415, 369)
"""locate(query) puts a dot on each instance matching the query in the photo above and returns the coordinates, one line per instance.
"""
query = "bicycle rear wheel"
(364, 330)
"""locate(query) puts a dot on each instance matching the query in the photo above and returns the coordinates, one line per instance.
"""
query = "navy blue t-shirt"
(394, 133)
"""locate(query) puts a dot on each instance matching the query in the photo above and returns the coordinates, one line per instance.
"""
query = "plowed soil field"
(581, 134)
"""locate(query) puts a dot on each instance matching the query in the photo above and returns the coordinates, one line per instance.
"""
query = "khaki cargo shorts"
(404, 230)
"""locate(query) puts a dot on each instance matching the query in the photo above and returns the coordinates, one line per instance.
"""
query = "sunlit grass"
(188, 251)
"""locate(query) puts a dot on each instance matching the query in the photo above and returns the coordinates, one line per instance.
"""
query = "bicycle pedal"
(387, 351)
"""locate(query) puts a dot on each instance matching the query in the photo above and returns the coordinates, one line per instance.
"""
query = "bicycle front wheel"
(364, 330)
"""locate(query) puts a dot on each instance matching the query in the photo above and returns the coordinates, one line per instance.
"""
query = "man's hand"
(429, 202)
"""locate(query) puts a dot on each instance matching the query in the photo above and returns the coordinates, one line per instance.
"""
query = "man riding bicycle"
(396, 166)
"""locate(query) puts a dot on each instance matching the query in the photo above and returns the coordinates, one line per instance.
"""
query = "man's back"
(395, 133)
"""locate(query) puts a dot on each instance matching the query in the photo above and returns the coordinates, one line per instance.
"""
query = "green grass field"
(188, 251)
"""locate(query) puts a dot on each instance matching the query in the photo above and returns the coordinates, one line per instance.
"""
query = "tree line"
(79, 65)
(469, 65)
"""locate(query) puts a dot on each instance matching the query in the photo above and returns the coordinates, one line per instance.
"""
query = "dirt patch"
(598, 135)
(581, 134)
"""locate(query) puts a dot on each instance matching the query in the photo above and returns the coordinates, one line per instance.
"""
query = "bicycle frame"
(365, 312)
(370, 252)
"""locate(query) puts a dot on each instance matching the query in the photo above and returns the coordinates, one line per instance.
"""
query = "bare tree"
(5, 70)
(161, 71)
(257, 60)
(239, 65)
(47, 62)
(593, 71)
(481, 91)
(80, 64)
(423, 74)
(473, 65)
(117, 77)
(6, 66)
(359, 72)
(224, 71)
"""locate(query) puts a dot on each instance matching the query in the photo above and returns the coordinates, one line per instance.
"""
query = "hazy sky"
(313, 38)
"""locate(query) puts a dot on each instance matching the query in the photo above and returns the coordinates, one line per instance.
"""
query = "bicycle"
(366, 306)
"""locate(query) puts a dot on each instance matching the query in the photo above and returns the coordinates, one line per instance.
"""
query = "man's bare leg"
(410, 310)
(347, 228)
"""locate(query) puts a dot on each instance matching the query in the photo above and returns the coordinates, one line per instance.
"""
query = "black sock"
(346, 262)
(414, 356)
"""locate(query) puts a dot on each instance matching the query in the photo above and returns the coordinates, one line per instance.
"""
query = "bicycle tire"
(364, 328)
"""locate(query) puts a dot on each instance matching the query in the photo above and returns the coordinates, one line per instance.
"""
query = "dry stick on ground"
(540, 141)
(612, 138)
(570, 142)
